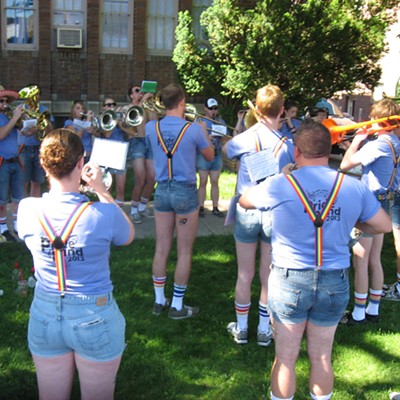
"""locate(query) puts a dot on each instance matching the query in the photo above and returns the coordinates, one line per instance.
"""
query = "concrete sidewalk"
(209, 225)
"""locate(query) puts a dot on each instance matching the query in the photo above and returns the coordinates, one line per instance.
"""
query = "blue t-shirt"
(245, 144)
(215, 139)
(184, 159)
(86, 137)
(293, 232)
(377, 160)
(32, 140)
(88, 247)
(117, 134)
(285, 130)
(9, 145)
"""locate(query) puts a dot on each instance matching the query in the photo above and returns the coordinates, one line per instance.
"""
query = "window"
(161, 24)
(68, 13)
(20, 24)
(198, 7)
(117, 25)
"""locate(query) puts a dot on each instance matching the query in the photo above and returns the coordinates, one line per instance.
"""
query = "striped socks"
(360, 302)
(159, 284)
(179, 293)
(242, 315)
(374, 301)
(263, 325)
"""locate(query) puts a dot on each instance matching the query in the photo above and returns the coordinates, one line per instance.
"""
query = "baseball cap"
(211, 103)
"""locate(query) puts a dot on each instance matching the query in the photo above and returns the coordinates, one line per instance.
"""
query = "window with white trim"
(198, 6)
(69, 13)
(20, 24)
(161, 23)
(117, 26)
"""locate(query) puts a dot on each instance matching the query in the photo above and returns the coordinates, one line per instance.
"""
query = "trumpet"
(342, 133)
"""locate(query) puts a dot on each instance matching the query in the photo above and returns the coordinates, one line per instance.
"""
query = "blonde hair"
(269, 101)
(385, 108)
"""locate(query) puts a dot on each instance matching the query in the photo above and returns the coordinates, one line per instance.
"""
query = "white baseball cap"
(211, 103)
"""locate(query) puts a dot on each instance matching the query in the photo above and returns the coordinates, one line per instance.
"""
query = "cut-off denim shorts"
(138, 148)
(203, 165)
(177, 197)
(317, 296)
(11, 176)
(91, 326)
(252, 225)
(395, 212)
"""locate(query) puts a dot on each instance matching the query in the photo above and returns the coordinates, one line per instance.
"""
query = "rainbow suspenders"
(318, 219)
(171, 152)
(58, 241)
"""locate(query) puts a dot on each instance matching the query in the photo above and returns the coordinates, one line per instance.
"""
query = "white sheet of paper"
(81, 124)
(218, 130)
(27, 123)
(260, 165)
(109, 153)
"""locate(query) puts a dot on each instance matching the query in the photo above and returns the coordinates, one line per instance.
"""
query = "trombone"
(341, 133)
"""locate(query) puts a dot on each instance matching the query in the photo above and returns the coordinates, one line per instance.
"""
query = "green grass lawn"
(195, 359)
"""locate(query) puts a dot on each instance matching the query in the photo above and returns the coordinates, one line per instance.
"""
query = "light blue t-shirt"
(245, 144)
(293, 232)
(184, 159)
(285, 130)
(215, 140)
(88, 247)
(32, 140)
(9, 145)
(86, 137)
(378, 163)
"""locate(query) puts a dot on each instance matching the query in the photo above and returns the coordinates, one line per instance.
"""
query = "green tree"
(309, 48)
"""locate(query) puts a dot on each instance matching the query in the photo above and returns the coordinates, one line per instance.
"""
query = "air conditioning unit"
(69, 38)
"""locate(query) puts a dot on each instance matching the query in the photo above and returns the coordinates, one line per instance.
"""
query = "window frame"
(20, 46)
(161, 52)
(117, 50)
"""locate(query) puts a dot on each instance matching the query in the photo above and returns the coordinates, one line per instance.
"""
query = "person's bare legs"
(287, 345)
(55, 376)
(165, 224)
(375, 265)
(35, 189)
(361, 252)
(150, 180)
(214, 180)
(120, 180)
(265, 264)
(319, 347)
(246, 259)
(97, 379)
(186, 230)
(203, 179)
(139, 171)
(396, 236)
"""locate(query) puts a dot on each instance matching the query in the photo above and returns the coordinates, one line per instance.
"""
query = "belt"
(11, 160)
(386, 196)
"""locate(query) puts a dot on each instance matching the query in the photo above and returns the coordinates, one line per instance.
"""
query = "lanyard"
(317, 218)
(171, 152)
(58, 241)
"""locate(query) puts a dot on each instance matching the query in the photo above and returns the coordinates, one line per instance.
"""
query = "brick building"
(88, 49)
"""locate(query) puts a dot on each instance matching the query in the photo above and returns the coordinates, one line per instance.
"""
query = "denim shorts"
(252, 225)
(33, 171)
(11, 176)
(91, 326)
(203, 165)
(138, 148)
(318, 296)
(177, 197)
(395, 212)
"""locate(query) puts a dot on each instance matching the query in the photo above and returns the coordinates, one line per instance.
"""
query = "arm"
(6, 129)
(379, 223)
(92, 174)
(245, 199)
(350, 159)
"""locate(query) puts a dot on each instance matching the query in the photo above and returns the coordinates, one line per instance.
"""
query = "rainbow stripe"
(317, 219)
(59, 254)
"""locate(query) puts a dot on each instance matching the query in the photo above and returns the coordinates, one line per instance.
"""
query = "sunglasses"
(110, 104)
(3, 101)
(137, 90)
(213, 108)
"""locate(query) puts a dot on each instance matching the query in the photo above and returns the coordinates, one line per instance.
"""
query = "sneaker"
(217, 213)
(388, 287)
(372, 318)
(202, 212)
(265, 338)
(240, 337)
(394, 396)
(9, 237)
(393, 294)
(147, 213)
(185, 312)
(348, 319)
(136, 218)
(159, 308)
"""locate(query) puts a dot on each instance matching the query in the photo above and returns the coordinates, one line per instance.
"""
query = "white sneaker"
(136, 218)
(394, 396)
(265, 338)
(393, 294)
(240, 337)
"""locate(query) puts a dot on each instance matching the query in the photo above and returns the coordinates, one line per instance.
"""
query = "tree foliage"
(309, 48)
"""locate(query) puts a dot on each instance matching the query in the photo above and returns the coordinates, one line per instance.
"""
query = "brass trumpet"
(132, 117)
(341, 133)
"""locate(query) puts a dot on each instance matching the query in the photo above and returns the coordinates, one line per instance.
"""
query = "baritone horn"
(344, 132)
